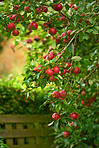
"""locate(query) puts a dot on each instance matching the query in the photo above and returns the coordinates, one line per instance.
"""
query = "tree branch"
(63, 51)
(91, 73)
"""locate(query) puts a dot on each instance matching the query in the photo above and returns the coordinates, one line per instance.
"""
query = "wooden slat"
(42, 145)
(23, 133)
(9, 142)
(20, 141)
(24, 118)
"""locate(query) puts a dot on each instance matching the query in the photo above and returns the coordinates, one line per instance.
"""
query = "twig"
(91, 73)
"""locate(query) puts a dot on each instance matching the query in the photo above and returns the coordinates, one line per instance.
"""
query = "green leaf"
(90, 4)
(76, 58)
(85, 36)
(53, 44)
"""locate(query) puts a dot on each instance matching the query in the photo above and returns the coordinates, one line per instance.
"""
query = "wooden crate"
(26, 131)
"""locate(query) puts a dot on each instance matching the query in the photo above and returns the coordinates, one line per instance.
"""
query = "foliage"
(73, 39)
(2, 145)
(13, 100)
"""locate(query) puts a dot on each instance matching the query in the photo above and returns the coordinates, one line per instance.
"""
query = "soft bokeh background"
(12, 60)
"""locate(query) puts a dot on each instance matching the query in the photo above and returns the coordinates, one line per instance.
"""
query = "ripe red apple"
(39, 68)
(73, 115)
(65, 134)
(63, 93)
(82, 102)
(10, 26)
(76, 70)
(83, 93)
(52, 31)
(52, 78)
(63, 34)
(68, 37)
(55, 116)
(57, 41)
(70, 5)
(51, 55)
(71, 123)
(55, 94)
(75, 7)
(83, 14)
(68, 65)
(88, 104)
(56, 69)
(13, 17)
(58, 37)
(16, 7)
(91, 100)
(44, 9)
(65, 41)
(69, 32)
(46, 25)
(15, 32)
(64, 71)
(33, 25)
(62, 18)
(44, 56)
(49, 71)
(58, 7)
(38, 10)
(29, 41)
(27, 9)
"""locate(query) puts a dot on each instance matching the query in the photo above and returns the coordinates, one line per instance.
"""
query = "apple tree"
(63, 58)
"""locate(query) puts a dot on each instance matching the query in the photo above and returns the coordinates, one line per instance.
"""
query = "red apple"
(62, 18)
(52, 78)
(38, 10)
(65, 134)
(33, 25)
(76, 70)
(63, 34)
(49, 71)
(68, 65)
(10, 26)
(55, 94)
(73, 115)
(64, 71)
(44, 9)
(83, 93)
(15, 32)
(46, 25)
(83, 14)
(69, 32)
(52, 31)
(44, 56)
(63, 93)
(58, 7)
(56, 69)
(55, 116)
(71, 123)
(27, 9)
(70, 5)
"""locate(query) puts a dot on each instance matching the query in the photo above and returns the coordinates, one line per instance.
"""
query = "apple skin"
(68, 65)
(70, 5)
(55, 116)
(11, 27)
(52, 79)
(65, 134)
(63, 34)
(44, 9)
(76, 70)
(58, 7)
(38, 10)
(55, 94)
(83, 93)
(63, 18)
(73, 116)
(52, 31)
(15, 32)
(33, 25)
(69, 32)
(63, 93)
(49, 71)
(44, 56)
(56, 69)
(64, 71)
